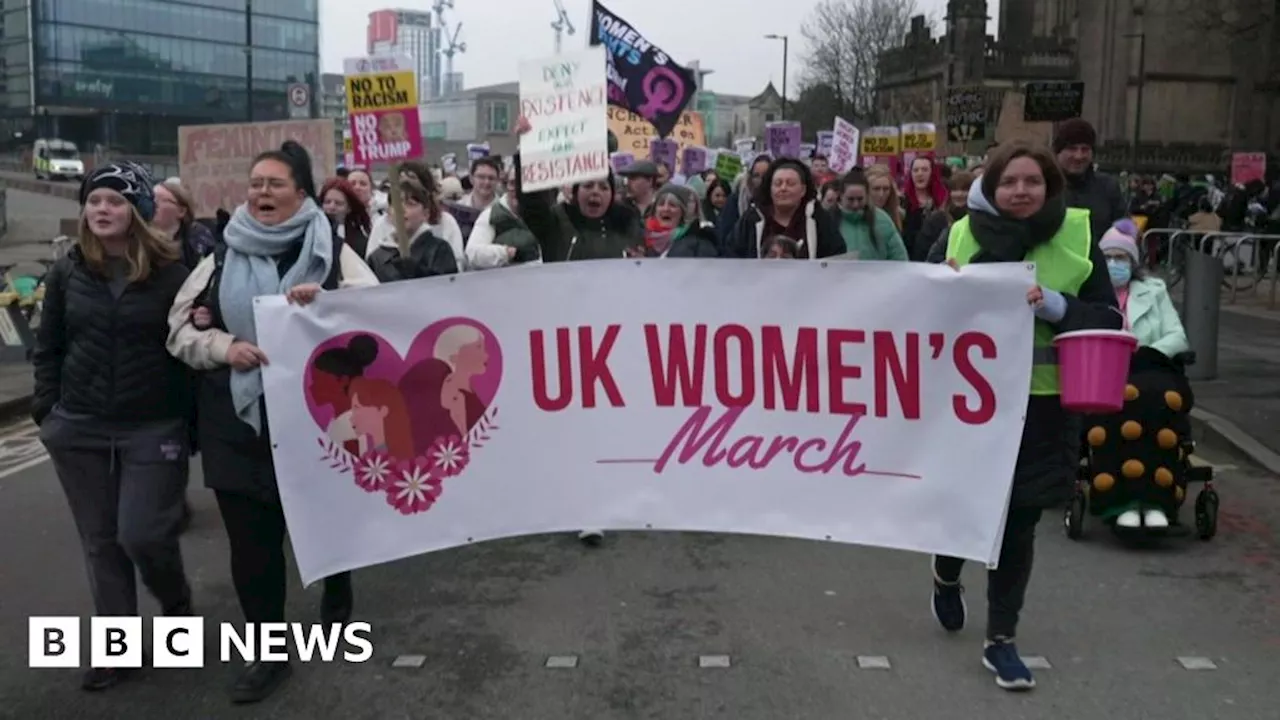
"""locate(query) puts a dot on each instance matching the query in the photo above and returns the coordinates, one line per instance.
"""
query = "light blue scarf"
(250, 270)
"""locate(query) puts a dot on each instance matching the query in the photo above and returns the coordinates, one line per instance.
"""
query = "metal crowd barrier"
(1238, 250)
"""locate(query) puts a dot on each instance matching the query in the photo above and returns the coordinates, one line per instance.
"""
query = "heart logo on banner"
(402, 425)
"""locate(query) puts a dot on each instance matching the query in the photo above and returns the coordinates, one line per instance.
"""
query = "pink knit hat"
(1116, 239)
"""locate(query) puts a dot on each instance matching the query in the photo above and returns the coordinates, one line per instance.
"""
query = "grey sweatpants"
(126, 497)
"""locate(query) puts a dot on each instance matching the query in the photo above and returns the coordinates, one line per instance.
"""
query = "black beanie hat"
(1076, 131)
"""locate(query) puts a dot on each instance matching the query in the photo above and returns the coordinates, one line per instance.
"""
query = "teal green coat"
(887, 245)
(1153, 318)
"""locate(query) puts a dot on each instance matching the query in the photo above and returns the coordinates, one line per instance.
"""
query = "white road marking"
(1197, 663)
(713, 661)
(21, 449)
(409, 661)
(562, 661)
(874, 662)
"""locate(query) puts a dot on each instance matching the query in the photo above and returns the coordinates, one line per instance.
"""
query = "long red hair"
(937, 186)
(370, 392)
(357, 221)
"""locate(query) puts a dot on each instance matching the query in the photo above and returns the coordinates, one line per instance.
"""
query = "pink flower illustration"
(449, 457)
(413, 488)
(374, 470)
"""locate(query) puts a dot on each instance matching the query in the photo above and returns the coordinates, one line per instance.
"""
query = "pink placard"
(386, 136)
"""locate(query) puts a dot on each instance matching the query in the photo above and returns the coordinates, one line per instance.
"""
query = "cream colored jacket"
(207, 349)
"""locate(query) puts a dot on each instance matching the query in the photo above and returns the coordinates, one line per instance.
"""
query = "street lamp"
(785, 53)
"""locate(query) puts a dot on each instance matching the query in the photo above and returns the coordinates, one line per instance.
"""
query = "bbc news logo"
(179, 642)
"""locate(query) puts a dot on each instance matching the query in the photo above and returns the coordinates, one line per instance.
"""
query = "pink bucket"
(1093, 368)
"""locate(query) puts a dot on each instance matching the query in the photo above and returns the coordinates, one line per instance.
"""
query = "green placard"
(728, 166)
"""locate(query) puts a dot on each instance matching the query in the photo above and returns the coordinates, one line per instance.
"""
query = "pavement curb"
(1217, 431)
(66, 192)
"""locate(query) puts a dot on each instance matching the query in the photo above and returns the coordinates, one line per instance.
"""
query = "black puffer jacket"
(105, 357)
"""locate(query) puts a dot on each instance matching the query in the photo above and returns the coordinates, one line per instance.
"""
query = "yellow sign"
(880, 145)
(919, 141)
(371, 92)
(634, 132)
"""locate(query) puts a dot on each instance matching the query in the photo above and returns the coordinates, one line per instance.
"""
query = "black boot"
(258, 680)
(338, 599)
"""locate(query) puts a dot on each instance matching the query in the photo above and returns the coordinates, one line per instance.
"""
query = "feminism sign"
(642, 78)
(695, 401)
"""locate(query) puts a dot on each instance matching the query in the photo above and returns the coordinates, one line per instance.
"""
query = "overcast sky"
(501, 33)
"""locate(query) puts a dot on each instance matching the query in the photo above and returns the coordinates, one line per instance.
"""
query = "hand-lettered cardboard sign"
(213, 160)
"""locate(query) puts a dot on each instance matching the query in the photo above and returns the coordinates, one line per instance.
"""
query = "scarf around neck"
(251, 269)
(1002, 238)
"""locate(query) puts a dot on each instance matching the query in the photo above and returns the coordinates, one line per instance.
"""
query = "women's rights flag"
(642, 78)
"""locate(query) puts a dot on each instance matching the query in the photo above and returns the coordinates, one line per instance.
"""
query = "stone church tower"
(966, 41)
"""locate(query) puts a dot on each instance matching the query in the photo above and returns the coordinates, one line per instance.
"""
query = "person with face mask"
(939, 223)
(111, 404)
(1150, 430)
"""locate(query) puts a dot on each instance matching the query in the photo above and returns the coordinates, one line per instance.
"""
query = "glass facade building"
(126, 73)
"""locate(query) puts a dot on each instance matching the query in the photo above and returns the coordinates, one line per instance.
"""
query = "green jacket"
(887, 244)
(1153, 318)
(566, 234)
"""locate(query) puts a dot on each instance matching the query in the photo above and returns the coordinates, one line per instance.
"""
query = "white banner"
(565, 99)
(870, 403)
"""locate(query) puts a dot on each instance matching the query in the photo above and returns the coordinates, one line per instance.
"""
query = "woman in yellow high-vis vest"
(1017, 213)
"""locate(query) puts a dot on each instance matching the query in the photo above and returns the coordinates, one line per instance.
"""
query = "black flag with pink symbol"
(642, 78)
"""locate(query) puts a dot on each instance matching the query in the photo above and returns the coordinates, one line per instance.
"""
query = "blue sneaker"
(1001, 658)
(948, 602)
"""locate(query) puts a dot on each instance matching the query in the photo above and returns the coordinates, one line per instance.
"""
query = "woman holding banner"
(1018, 213)
(278, 242)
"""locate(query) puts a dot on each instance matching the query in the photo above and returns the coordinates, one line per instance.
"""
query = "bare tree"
(845, 39)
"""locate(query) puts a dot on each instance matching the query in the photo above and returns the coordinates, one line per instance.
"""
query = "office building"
(125, 74)
(415, 34)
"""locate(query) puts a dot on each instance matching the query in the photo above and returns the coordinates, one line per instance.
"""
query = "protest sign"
(845, 146)
(565, 99)
(892, 420)
(664, 152)
(213, 160)
(642, 78)
(622, 161)
(826, 138)
(634, 132)
(693, 160)
(967, 115)
(782, 139)
(475, 151)
(882, 146)
(1246, 167)
(382, 104)
(728, 166)
(918, 140)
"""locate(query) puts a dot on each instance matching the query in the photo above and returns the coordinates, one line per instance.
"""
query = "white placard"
(565, 99)
(846, 143)
(508, 403)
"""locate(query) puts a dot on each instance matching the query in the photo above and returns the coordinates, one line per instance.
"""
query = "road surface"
(33, 222)
(639, 613)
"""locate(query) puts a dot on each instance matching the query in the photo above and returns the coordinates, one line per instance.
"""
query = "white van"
(56, 160)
